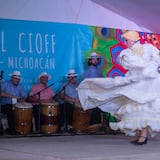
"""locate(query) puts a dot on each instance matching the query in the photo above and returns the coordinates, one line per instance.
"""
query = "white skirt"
(136, 104)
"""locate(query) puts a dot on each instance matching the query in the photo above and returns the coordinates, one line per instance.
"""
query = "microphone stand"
(42, 89)
(39, 109)
(39, 104)
(1, 127)
(65, 114)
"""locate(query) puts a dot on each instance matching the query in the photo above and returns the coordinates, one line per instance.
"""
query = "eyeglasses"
(72, 77)
(15, 78)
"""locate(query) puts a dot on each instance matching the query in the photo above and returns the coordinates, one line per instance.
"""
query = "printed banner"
(32, 47)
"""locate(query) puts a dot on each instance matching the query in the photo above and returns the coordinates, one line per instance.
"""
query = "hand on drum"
(15, 100)
(77, 100)
(21, 99)
(47, 101)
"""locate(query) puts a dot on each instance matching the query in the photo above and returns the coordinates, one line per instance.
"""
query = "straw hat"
(132, 35)
(93, 55)
(44, 74)
(71, 73)
(16, 74)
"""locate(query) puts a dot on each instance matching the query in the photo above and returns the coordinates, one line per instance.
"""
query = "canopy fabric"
(121, 14)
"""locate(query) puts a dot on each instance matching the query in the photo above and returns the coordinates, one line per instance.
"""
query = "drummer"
(40, 93)
(93, 71)
(12, 92)
(68, 97)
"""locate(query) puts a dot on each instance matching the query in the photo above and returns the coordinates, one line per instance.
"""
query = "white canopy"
(140, 15)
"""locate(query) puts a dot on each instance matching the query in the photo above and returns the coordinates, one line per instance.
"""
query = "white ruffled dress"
(135, 98)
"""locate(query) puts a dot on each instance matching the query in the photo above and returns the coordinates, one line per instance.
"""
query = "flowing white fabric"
(135, 98)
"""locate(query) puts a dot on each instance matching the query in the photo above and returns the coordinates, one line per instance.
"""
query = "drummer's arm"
(68, 98)
(21, 99)
(3, 94)
(33, 99)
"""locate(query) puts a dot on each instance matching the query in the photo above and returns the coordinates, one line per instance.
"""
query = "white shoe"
(71, 130)
(62, 128)
(69, 127)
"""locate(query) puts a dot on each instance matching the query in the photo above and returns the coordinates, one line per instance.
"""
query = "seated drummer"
(93, 71)
(68, 97)
(11, 90)
(39, 94)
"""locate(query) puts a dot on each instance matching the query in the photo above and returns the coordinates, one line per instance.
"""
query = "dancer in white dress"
(134, 98)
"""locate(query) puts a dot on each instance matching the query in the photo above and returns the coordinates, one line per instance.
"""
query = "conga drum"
(23, 117)
(81, 118)
(49, 117)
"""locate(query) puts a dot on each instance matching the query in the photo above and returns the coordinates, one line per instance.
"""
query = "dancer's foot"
(142, 140)
(134, 141)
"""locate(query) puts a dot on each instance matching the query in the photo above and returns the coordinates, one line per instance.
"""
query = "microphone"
(1, 76)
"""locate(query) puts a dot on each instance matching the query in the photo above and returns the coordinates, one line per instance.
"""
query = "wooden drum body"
(23, 117)
(81, 119)
(49, 117)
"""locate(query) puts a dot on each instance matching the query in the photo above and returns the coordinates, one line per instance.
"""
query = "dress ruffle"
(136, 116)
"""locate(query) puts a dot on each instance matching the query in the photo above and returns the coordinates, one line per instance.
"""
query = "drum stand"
(65, 129)
(65, 114)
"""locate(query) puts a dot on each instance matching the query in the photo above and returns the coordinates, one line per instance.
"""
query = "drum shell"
(81, 119)
(49, 129)
(49, 117)
(23, 118)
(50, 109)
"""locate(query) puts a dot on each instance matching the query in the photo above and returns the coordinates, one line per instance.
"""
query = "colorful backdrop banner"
(32, 47)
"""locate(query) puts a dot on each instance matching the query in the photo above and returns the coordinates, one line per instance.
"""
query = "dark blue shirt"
(92, 72)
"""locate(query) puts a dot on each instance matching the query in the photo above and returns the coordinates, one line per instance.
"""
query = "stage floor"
(77, 147)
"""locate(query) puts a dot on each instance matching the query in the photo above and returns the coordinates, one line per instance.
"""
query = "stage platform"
(76, 147)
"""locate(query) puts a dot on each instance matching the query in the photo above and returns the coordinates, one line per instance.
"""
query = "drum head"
(23, 105)
(50, 104)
